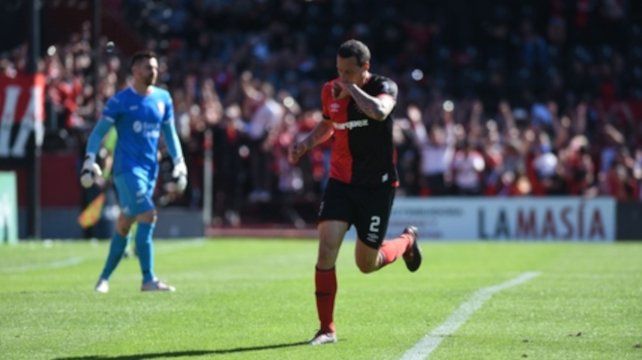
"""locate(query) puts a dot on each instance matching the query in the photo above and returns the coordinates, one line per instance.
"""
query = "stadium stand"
(497, 98)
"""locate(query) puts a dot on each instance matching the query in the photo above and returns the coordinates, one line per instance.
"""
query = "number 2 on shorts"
(374, 224)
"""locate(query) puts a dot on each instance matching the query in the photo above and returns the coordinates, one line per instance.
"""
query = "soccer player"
(140, 113)
(357, 110)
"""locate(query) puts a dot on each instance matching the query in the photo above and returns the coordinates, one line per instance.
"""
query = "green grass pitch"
(253, 299)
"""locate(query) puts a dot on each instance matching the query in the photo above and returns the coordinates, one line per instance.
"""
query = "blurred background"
(532, 98)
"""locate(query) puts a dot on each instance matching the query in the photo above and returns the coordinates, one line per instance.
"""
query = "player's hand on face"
(90, 173)
(295, 152)
(340, 89)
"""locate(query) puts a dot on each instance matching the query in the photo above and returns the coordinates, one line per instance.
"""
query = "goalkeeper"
(140, 113)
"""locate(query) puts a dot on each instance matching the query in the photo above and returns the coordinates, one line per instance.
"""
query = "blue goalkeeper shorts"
(135, 190)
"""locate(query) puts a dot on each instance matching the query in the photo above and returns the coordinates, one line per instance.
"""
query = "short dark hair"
(355, 48)
(141, 55)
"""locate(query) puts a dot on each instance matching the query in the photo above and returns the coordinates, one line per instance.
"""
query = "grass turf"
(253, 299)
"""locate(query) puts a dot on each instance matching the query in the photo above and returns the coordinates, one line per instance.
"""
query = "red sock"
(326, 290)
(393, 249)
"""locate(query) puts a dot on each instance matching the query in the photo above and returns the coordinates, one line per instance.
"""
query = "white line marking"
(178, 246)
(430, 342)
(50, 265)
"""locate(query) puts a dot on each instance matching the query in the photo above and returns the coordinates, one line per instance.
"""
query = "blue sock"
(145, 250)
(116, 250)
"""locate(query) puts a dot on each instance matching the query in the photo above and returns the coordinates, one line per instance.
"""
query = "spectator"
(437, 148)
(467, 168)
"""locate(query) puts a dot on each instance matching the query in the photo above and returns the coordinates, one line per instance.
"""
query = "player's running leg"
(369, 259)
(412, 256)
(116, 250)
(372, 251)
(331, 234)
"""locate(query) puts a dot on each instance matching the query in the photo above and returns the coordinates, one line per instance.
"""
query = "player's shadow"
(172, 354)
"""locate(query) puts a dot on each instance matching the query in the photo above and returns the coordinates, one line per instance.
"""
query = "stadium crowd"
(496, 98)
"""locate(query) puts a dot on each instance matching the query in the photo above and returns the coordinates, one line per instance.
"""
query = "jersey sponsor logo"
(150, 130)
(133, 107)
(349, 125)
(372, 237)
(335, 107)
(153, 134)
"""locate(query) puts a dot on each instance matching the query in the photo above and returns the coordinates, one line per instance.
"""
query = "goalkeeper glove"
(90, 171)
(179, 174)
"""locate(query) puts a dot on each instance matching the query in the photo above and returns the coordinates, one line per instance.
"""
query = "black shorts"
(368, 209)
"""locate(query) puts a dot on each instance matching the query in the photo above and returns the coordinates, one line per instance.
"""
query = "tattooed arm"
(376, 107)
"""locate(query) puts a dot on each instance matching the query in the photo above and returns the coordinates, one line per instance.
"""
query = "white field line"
(160, 248)
(49, 265)
(72, 261)
(430, 342)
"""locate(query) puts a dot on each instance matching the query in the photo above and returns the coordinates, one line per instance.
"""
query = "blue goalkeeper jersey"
(138, 119)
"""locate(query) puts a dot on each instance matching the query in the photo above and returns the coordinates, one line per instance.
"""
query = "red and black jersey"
(362, 150)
